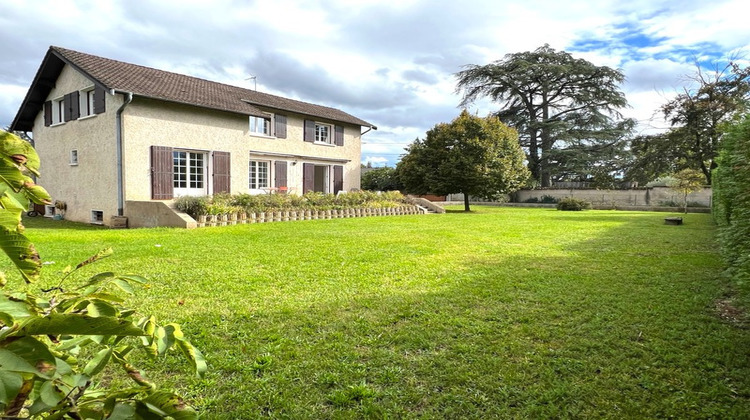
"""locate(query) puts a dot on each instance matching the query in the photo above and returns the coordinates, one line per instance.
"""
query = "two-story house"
(119, 139)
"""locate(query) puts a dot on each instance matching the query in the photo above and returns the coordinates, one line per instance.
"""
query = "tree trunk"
(466, 202)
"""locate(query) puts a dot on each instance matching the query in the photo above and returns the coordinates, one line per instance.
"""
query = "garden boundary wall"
(650, 197)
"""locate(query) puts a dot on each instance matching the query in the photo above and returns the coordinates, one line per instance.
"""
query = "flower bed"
(223, 209)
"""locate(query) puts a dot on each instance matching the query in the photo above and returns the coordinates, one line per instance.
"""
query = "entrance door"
(321, 179)
(189, 173)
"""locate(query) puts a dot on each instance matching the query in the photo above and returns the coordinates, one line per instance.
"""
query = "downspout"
(118, 152)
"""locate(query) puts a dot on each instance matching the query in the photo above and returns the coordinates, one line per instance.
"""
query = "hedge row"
(731, 202)
(247, 204)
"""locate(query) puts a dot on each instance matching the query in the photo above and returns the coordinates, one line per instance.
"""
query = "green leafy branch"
(54, 345)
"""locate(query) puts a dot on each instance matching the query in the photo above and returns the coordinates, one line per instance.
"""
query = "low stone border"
(294, 215)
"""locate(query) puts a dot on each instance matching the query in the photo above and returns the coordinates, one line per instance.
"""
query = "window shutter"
(308, 177)
(68, 107)
(99, 94)
(280, 128)
(48, 113)
(75, 105)
(338, 178)
(309, 131)
(222, 172)
(162, 187)
(280, 174)
(338, 138)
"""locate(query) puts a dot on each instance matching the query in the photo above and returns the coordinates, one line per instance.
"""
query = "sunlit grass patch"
(497, 313)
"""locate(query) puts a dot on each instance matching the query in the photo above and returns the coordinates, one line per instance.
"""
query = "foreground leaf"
(77, 324)
(10, 384)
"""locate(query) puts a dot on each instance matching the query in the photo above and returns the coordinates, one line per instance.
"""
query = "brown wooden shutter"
(280, 126)
(48, 113)
(99, 103)
(162, 184)
(338, 135)
(75, 105)
(338, 178)
(222, 172)
(308, 177)
(309, 131)
(68, 107)
(280, 175)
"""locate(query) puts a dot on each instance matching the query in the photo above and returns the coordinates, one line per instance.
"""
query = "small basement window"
(97, 217)
(74, 157)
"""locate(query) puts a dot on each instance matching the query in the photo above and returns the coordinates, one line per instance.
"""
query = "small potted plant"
(60, 207)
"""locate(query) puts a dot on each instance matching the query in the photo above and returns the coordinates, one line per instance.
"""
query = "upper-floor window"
(86, 102)
(322, 133)
(58, 110)
(260, 125)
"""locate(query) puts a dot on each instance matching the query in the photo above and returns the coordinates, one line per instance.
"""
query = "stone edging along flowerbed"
(293, 215)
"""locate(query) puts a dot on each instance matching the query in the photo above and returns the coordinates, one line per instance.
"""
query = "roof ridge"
(246, 95)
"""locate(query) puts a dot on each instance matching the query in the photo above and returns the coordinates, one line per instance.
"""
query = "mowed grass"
(498, 313)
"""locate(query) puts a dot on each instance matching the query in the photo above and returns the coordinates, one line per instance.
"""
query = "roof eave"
(43, 82)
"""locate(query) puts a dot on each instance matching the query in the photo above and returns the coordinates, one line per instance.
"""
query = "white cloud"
(390, 63)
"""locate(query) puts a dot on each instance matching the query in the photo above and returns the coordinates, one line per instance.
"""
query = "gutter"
(118, 151)
(370, 128)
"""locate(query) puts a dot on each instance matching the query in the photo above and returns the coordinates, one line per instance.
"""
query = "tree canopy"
(698, 117)
(475, 156)
(380, 179)
(566, 110)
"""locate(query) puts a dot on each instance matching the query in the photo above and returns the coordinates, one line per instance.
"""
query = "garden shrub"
(573, 204)
(731, 200)
(545, 199)
(548, 199)
(194, 206)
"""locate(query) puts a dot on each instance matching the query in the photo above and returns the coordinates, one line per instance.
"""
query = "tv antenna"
(255, 82)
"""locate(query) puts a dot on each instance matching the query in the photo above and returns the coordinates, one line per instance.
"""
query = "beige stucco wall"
(91, 185)
(151, 123)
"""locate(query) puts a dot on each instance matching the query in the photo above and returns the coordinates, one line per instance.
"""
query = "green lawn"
(500, 313)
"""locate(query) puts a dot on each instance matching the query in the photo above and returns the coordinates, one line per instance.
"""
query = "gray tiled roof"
(173, 87)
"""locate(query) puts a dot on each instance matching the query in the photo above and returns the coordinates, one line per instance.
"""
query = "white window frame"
(74, 157)
(86, 102)
(195, 179)
(265, 129)
(97, 217)
(323, 133)
(58, 110)
(254, 176)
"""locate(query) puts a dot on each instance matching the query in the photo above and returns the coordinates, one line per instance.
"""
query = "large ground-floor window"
(259, 176)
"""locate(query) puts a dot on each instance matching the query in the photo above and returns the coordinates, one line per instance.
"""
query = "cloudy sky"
(391, 63)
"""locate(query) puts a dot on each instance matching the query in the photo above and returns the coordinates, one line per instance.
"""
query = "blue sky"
(391, 63)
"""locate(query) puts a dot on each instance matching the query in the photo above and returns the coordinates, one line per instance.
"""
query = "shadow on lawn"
(40, 222)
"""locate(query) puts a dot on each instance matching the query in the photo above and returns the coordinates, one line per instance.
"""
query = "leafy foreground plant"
(53, 345)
